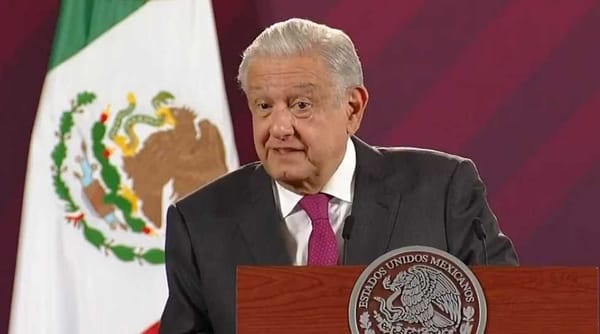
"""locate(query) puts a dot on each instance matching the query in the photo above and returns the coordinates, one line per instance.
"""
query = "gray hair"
(299, 37)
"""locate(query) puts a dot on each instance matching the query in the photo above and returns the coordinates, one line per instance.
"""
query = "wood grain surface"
(519, 299)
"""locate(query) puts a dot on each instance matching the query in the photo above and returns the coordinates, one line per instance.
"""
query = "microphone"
(346, 231)
(481, 235)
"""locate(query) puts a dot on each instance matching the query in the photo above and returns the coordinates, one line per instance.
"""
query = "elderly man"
(304, 87)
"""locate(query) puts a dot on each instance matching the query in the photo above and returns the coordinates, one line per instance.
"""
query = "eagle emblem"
(417, 290)
(114, 171)
(426, 295)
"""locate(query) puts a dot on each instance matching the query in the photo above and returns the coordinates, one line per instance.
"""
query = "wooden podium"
(315, 299)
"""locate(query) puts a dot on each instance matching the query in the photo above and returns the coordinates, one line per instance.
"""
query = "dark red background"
(515, 85)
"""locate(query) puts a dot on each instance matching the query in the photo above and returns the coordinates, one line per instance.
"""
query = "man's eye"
(302, 105)
(263, 106)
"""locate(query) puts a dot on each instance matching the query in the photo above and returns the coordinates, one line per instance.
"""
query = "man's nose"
(282, 122)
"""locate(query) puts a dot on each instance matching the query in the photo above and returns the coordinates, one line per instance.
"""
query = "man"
(304, 87)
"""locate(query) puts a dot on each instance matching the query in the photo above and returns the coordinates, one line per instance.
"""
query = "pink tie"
(322, 244)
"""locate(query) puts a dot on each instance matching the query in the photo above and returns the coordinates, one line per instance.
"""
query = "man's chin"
(289, 177)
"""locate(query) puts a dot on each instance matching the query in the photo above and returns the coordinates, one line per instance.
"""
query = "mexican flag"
(133, 115)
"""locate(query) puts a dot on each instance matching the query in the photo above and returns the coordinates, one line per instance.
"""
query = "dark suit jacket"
(402, 197)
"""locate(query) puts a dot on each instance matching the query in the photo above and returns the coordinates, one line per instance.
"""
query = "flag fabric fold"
(132, 116)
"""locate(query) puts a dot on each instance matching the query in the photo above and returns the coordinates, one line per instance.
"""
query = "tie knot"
(316, 206)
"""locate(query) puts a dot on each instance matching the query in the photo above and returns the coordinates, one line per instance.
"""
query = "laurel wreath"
(111, 179)
(365, 323)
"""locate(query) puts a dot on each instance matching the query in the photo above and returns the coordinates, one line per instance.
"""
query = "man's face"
(301, 120)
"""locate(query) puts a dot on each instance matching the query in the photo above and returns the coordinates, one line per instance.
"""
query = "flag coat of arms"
(133, 115)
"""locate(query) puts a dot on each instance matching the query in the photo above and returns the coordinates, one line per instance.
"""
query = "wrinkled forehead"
(286, 76)
(297, 88)
(293, 76)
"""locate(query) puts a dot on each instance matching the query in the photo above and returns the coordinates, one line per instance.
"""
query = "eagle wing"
(443, 294)
(423, 288)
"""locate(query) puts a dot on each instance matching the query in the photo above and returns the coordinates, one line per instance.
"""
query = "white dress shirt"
(298, 224)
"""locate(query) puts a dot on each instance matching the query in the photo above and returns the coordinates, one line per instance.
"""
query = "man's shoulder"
(224, 189)
(421, 156)
(420, 167)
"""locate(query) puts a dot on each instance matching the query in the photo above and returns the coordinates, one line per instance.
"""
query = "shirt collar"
(340, 185)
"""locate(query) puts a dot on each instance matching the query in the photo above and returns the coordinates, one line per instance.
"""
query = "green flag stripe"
(82, 21)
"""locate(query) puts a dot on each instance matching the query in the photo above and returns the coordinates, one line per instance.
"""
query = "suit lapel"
(262, 229)
(375, 205)
(377, 195)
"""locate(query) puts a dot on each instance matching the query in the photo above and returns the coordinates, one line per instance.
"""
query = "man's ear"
(357, 102)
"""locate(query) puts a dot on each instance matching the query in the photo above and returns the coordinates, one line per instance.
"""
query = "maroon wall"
(515, 85)
(26, 32)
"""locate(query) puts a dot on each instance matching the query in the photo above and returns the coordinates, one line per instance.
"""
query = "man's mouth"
(286, 150)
